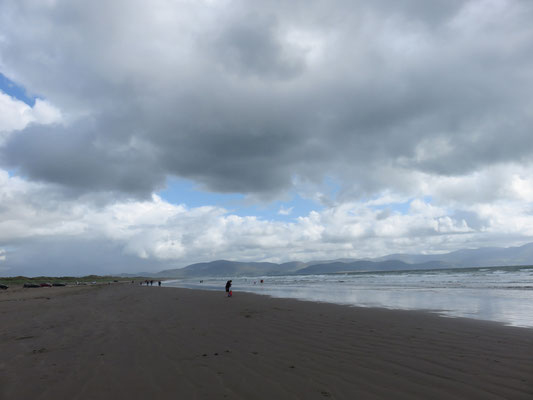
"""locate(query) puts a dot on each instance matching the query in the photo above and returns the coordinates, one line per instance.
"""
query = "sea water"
(503, 294)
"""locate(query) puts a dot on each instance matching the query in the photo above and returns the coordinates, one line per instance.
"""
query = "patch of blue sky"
(332, 186)
(402, 207)
(186, 192)
(183, 191)
(284, 211)
(17, 91)
(298, 207)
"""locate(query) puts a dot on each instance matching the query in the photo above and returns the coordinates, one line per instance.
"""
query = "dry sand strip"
(131, 342)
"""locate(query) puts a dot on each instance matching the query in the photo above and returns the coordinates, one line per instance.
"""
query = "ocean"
(502, 294)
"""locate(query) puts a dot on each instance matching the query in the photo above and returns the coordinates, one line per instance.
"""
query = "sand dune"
(131, 342)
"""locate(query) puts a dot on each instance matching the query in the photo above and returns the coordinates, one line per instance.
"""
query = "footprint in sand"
(24, 337)
(41, 350)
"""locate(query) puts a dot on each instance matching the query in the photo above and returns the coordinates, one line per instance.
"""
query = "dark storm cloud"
(255, 94)
(79, 158)
(251, 47)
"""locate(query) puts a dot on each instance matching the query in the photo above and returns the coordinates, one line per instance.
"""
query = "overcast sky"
(138, 136)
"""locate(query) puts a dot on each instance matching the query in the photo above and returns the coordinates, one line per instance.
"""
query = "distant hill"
(354, 266)
(231, 268)
(483, 257)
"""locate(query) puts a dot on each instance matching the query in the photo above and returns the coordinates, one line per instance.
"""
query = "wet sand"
(125, 341)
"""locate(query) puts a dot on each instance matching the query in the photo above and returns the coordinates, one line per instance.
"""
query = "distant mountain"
(483, 257)
(232, 268)
(354, 266)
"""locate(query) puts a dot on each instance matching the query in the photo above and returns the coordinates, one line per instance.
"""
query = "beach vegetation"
(17, 281)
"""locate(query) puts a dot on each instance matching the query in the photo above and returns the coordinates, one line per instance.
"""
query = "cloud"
(82, 159)
(285, 211)
(425, 104)
(244, 97)
(45, 234)
(16, 115)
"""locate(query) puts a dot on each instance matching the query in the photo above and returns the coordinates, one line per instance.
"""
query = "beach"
(125, 341)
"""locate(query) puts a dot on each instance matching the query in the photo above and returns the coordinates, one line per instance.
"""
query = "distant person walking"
(159, 283)
(228, 288)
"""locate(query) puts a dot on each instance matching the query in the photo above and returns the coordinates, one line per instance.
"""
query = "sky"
(140, 136)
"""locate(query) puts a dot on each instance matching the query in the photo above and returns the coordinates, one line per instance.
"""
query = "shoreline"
(134, 341)
(443, 313)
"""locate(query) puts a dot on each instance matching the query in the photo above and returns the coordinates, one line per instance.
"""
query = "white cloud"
(16, 115)
(178, 235)
(285, 211)
(45, 113)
